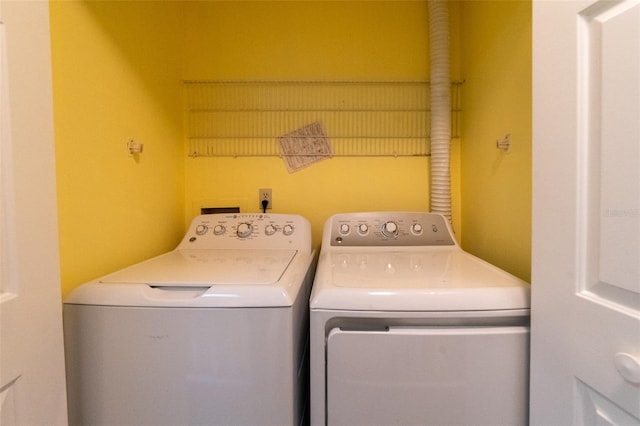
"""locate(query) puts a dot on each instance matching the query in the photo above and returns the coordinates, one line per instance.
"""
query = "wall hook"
(135, 147)
(504, 144)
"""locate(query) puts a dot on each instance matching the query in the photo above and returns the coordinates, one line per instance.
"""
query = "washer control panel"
(388, 229)
(249, 230)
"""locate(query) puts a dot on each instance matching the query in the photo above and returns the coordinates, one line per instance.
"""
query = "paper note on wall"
(305, 146)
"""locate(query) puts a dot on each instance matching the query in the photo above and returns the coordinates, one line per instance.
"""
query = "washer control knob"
(201, 229)
(270, 230)
(416, 228)
(219, 230)
(390, 229)
(244, 230)
(363, 228)
(287, 229)
(344, 229)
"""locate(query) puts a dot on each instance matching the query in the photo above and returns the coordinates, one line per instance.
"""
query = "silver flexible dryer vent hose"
(440, 197)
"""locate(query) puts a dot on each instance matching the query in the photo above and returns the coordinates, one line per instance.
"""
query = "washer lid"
(193, 268)
(430, 279)
(203, 279)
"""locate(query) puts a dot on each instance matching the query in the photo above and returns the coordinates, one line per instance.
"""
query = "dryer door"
(428, 376)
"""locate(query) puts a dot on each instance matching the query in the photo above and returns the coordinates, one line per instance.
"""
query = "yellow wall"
(117, 68)
(308, 40)
(496, 186)
(116, 76)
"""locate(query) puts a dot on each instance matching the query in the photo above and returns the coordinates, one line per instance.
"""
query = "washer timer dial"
(244, 230)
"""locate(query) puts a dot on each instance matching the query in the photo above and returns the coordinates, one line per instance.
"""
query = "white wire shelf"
(375, 118)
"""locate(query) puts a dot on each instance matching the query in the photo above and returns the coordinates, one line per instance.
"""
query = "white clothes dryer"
(214, 332)
(408, 329)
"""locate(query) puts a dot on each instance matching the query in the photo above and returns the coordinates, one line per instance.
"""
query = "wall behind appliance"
(117, 72)
(310, 40)
(496, 186)
(116, 76)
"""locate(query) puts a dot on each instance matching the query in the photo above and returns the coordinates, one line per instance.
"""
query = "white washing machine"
(214, 332)
(408, 329)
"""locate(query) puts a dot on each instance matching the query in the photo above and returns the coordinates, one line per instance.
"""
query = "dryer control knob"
(344, 229)
(363, 228)
(270, 230)
(201, 229)
(287, 229)
(244, 230)
(218, 230)
(416, 228)
(390, 229)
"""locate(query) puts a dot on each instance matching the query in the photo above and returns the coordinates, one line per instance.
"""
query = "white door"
(9, 336)
(585, 359)
(32, 381)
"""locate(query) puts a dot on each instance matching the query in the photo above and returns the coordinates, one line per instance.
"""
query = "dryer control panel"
(248, 231)
(388, 229)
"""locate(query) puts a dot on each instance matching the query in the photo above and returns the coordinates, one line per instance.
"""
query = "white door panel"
(595, 409)
(586, 232)
(608, 148)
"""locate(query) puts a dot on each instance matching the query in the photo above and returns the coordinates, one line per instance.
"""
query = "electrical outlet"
(265, 194)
